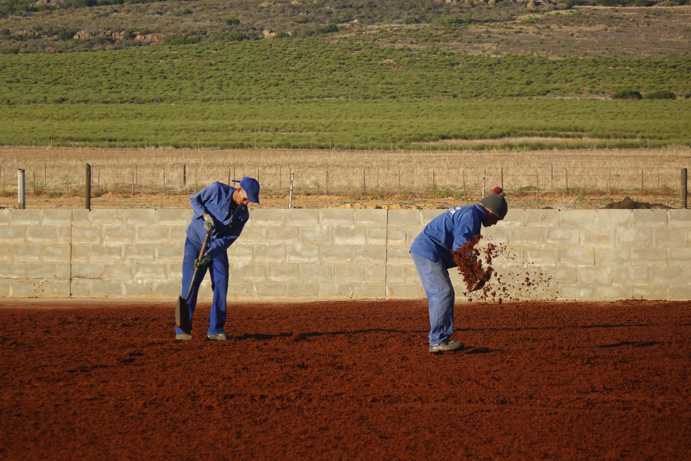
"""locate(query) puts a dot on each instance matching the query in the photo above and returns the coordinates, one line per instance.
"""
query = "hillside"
(559, 27)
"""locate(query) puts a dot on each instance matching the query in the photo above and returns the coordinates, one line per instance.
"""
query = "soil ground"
(354, 380)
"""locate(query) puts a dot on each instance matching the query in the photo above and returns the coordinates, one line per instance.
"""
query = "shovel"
(182, 310)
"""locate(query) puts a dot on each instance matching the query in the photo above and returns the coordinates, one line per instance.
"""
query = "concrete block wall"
(310, 254)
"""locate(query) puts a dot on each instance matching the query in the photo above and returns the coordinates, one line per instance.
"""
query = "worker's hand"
(202, 262)
(208, 222)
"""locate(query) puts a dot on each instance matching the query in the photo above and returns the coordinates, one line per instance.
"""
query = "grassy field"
(354, 124)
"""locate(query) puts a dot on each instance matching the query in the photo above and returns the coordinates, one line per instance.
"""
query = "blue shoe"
(183, 336)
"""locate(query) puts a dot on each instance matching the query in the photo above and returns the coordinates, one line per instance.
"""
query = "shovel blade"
(182, 315)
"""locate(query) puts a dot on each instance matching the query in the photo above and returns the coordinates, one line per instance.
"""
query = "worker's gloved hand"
(208, 222)
(202, 262)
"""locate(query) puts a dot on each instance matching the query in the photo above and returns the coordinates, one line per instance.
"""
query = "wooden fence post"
(21, 189)
(87, 187)
(684, 188)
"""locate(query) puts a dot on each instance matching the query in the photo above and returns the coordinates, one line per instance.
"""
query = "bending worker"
(222, 211)
(432, 253)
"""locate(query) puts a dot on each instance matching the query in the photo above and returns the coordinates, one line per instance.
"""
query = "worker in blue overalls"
(432, 252)
(221, 210)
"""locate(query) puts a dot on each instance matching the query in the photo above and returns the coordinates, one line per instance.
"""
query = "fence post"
(566, 179)
(684, 188)
(290, 191)
(364, 182)
(642, 181)
(501, 177)
(184, 175)
(327, 180)
(21, 189)
(87, 188)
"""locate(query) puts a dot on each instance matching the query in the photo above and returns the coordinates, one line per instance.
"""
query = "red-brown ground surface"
(349, 380)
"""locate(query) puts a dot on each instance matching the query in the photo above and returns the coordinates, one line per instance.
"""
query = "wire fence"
(187, 177)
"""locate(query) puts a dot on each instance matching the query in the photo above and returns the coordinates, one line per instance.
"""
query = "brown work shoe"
(446, 346)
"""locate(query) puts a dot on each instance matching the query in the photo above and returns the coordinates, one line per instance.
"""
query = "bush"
(627, 94)
(664, 94)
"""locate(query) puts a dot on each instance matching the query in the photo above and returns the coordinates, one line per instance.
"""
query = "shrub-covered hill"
(479, 26)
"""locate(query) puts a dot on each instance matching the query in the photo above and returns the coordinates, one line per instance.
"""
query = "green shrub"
(663, 94)
(627, 94)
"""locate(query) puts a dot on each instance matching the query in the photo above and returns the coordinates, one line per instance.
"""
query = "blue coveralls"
(432, 251)
(229, 220)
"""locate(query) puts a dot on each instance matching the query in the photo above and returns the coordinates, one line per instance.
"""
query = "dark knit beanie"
(496, 202)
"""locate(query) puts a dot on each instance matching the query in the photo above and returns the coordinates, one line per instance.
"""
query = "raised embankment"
(309, 254)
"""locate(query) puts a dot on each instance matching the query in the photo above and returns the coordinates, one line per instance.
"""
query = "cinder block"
(149, 271)
(634, 237)
(322, 273)
(137, 252)
(395, 291)
(397, 237)
(270, 217)
(59, 218)
(302, 218)
(650, 218)
(285, 272)
(515, 218)
(376, 236)
(254, 236)
(426, 215)
(118, 234)
(26, 217)
(358, 273)
(86, 234)
(577, 219)
(575, 293)
(576, 256)
(528, 235)
(647, 254)
(152, 234)
(398, 256)
(125, 271)
(680, 254)
(406, 218)
(595, 276)
(256, 272)
(242, 292)
(175, 216)
(562, 236)
(650, 292)
(670, 238)
(43, 234)
(540, 218)
(284, 235)
(299, 252)
(334, 254)
(680, 292)
(369, 291)
(274, 253)
(303, 290)
(336, 217)
(370, 218)
(111, 289)
(318, 235)
(601, 237)
(349, 235)
(611, 292)
(5, 287)
(612, 218)
(679, 219)
(87, 271)
(612, 256)
(39, 288)
(139, 216)
(13, 233)
(167, 289)
(268, 289)
(137, 287)
(171, 252)
(5, 217)
(41, 270)
(402, 274)
(542, 257)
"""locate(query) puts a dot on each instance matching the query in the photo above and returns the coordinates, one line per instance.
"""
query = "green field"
(344, 92)
(349, 124)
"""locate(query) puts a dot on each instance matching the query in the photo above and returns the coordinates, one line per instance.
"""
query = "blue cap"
(251, 187)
